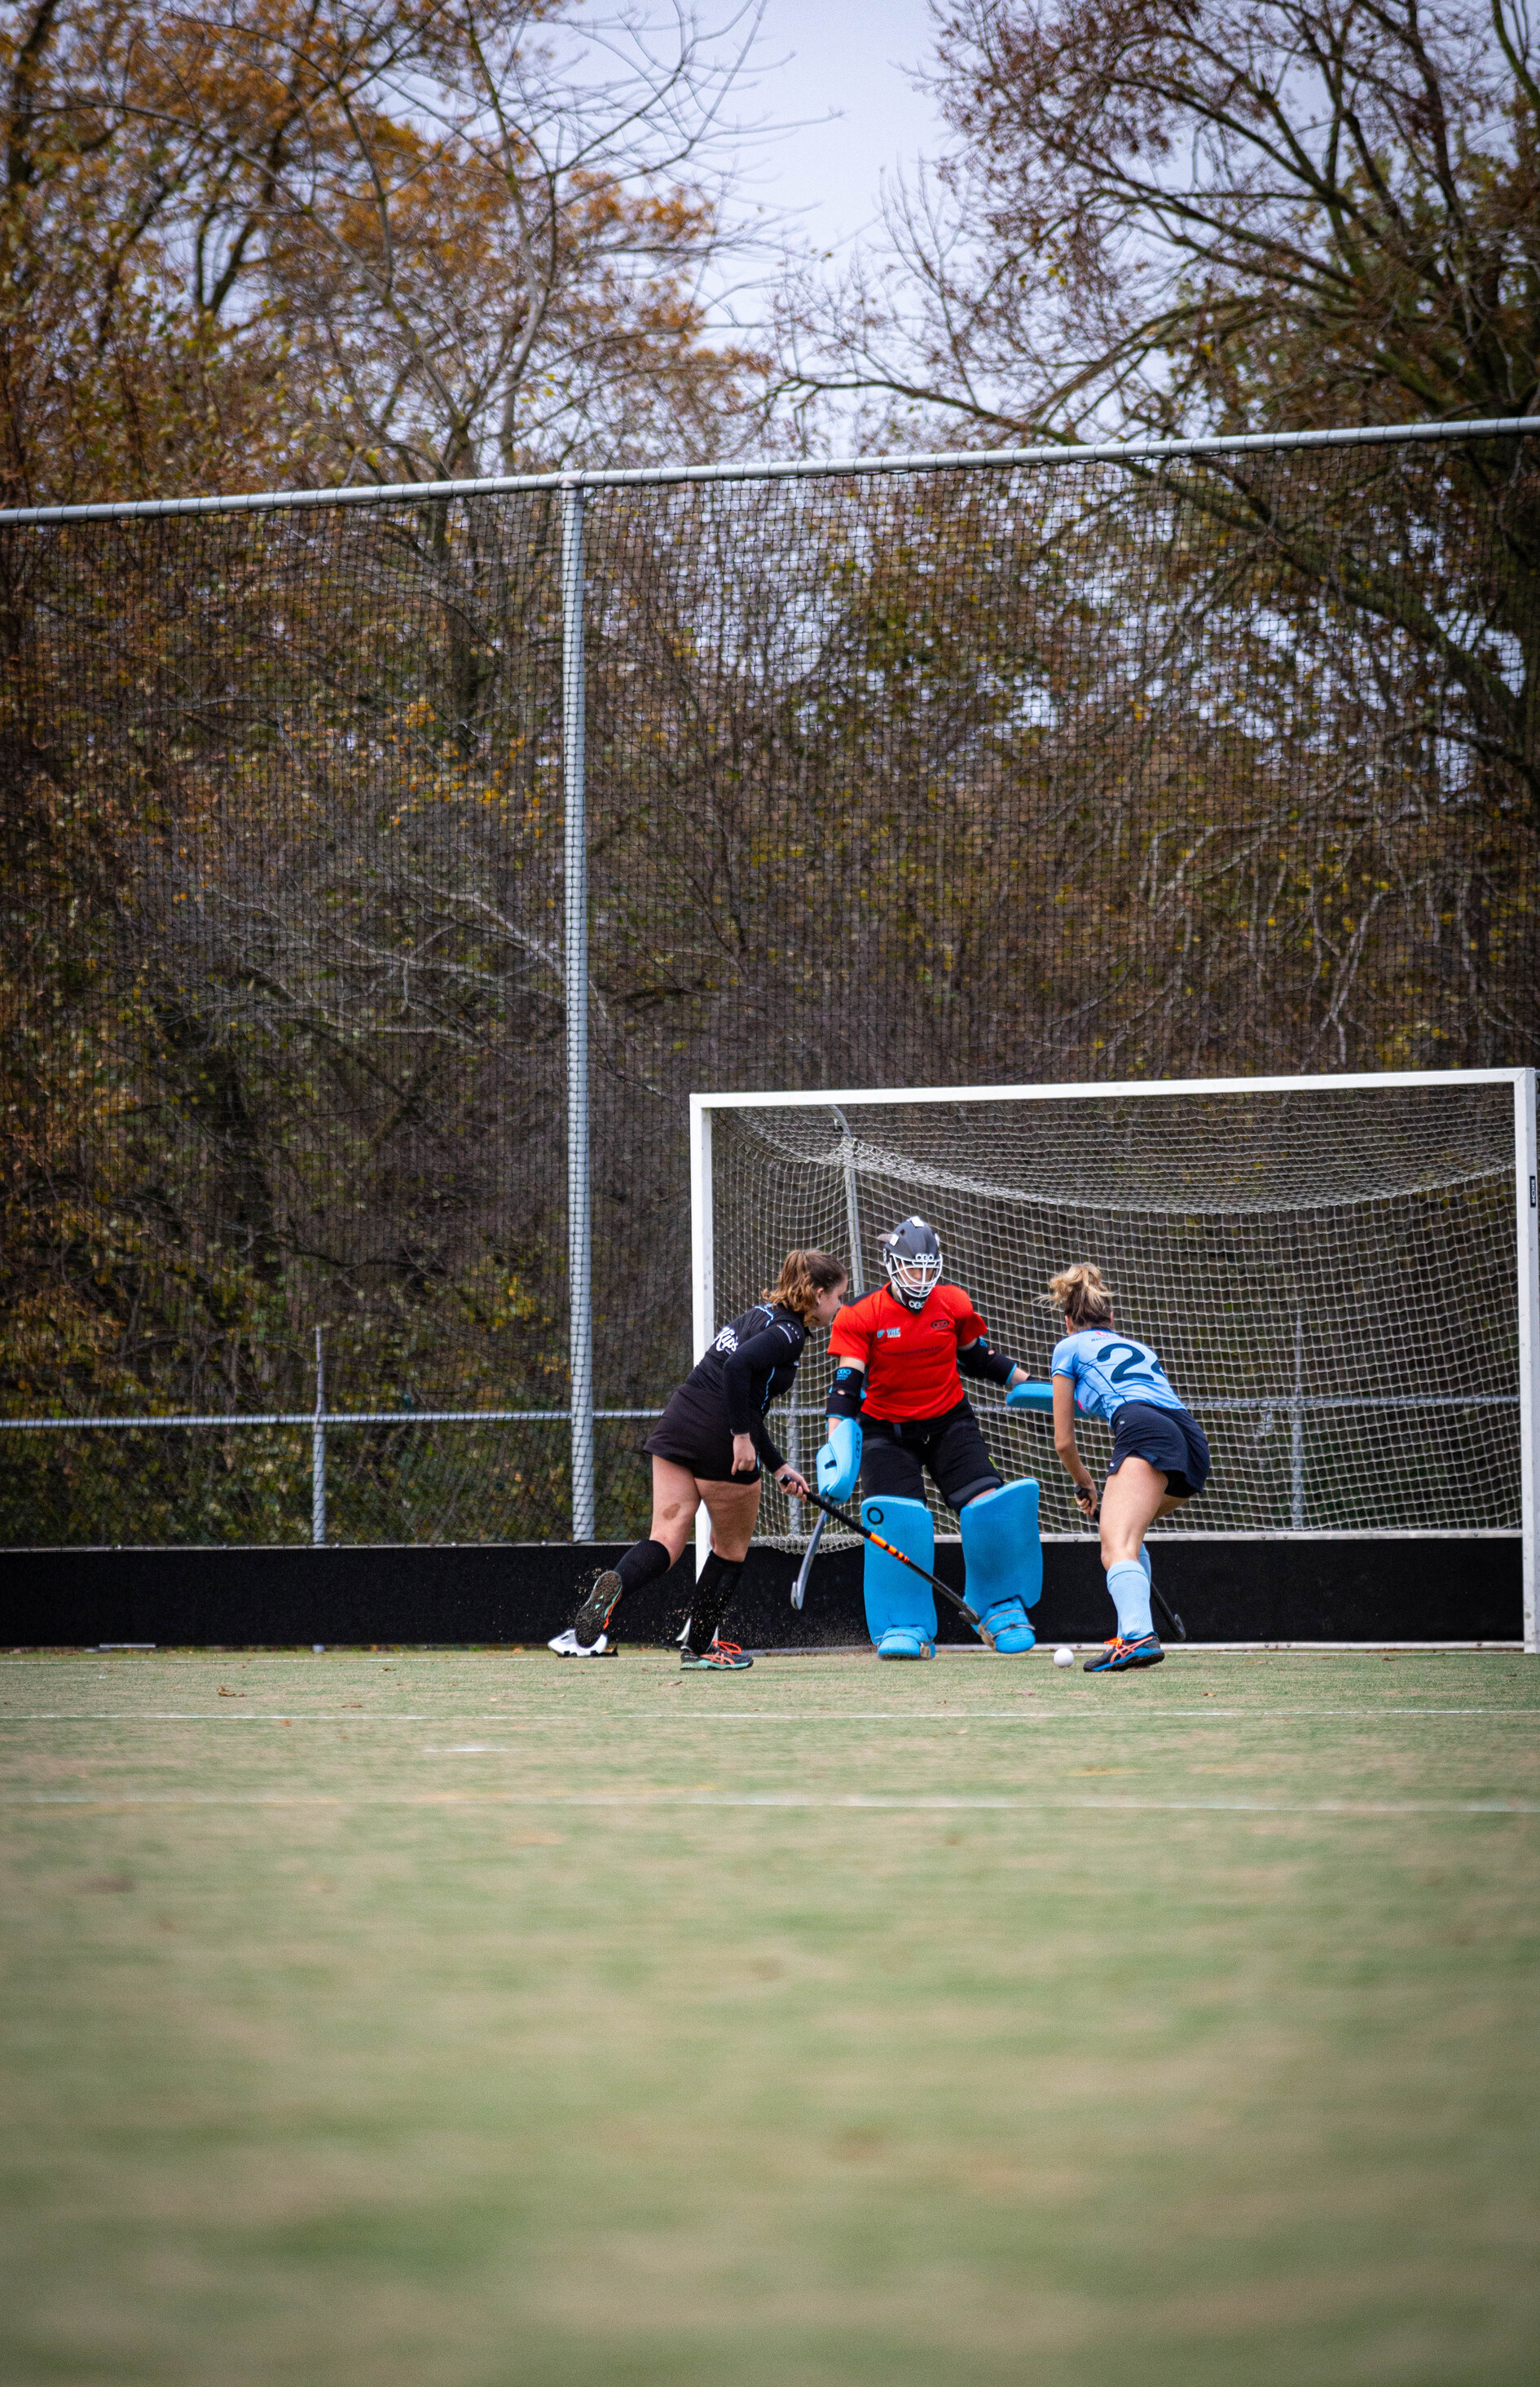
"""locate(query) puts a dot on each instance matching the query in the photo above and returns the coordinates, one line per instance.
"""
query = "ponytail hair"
(1081, 1294)
(804, 1275)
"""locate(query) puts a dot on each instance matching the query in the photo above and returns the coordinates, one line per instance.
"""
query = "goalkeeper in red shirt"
(896, 1408)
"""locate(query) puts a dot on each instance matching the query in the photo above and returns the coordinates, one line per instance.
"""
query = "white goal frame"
(1526, 1174)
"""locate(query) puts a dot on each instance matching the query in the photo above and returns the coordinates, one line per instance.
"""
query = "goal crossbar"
(1105, 1090)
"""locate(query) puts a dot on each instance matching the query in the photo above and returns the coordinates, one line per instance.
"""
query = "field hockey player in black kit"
(711, 1444)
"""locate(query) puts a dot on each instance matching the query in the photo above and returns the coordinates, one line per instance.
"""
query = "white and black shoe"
(587, 1636)
(567, 1645)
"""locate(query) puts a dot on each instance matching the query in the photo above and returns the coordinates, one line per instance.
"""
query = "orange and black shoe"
(1119, 1655)
(722, 1658)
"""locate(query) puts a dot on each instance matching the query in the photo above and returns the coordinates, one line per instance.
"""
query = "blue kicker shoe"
(1004, 1627)
(1119, 1655)
(905, 1641)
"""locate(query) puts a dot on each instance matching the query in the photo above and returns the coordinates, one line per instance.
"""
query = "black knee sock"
(642, 1563)
(714, 1593)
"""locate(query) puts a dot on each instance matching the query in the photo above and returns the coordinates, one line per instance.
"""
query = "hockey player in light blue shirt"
(1107, 1370)
(1160, 1453)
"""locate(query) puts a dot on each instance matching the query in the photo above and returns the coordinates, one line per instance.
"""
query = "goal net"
(1330, 1271)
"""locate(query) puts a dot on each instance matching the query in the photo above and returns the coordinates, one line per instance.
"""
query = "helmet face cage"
(912, 1255)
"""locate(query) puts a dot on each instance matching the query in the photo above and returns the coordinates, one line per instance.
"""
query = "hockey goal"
(1340, 1273)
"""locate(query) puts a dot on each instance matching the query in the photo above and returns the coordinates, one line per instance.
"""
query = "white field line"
(855, 1802)
(602, 1717)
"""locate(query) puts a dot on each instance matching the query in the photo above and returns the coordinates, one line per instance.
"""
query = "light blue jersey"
(1107, 1369)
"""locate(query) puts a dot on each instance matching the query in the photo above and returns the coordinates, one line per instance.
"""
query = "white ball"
(1064, 1657)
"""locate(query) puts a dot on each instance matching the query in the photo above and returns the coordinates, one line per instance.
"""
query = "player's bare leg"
(1133, 1499)
(732, 1509)
(676, 1498)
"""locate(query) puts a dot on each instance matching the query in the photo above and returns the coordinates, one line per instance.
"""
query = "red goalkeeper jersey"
(910, 1355)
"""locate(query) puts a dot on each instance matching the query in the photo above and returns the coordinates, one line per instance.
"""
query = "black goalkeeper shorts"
(894, 1457)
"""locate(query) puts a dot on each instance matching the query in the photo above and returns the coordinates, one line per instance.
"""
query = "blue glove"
(1030, 1396)
(839, 1459)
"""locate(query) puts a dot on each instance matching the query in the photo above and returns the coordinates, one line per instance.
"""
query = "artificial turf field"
(438, 2019)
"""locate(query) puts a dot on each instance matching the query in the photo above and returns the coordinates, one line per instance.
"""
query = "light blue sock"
(1130, 1586)
(1145, 1562)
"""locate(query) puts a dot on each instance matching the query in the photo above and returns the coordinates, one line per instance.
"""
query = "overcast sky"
(846, 57)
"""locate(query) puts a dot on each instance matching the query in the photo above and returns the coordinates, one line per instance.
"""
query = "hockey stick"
(853, 1525)
(798, 1589)
(1169, 1613)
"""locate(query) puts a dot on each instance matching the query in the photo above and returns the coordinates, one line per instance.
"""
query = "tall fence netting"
(1104, 770)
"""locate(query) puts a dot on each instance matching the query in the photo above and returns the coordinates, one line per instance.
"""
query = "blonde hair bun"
(1082, 1294)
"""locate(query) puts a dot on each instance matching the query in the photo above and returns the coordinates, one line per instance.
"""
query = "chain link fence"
(387, 867)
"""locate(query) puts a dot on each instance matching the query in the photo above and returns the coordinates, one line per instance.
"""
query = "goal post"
(1526, 1188)
(1342, 1273)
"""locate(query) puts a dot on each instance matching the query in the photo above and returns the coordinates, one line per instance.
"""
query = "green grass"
(356, 2050)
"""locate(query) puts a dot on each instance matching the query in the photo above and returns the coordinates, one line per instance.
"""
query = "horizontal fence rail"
(1281, 1403)
(307, 1417)
(319, 1423)
(664, 476)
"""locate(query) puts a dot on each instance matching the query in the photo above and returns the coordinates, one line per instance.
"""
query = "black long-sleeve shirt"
(751, 1361)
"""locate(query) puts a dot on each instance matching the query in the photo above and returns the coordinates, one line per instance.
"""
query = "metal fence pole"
(318, 1448)
(575, 863)
(1527, 1195)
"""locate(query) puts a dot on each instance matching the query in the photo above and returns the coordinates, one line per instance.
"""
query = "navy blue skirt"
(1170, 1439)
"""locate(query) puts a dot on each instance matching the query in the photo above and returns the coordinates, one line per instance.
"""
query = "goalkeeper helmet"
(912, 1255)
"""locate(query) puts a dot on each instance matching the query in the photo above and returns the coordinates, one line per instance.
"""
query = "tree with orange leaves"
(395, 240)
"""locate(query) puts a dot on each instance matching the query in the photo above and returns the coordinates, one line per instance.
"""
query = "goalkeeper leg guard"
(901, 1611)
(1004, 1557)
(713, 1595)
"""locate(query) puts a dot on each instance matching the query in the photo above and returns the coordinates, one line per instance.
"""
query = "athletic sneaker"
(1119, 1655)
(567, 1645)
(722, 1658)
(588, 1625)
